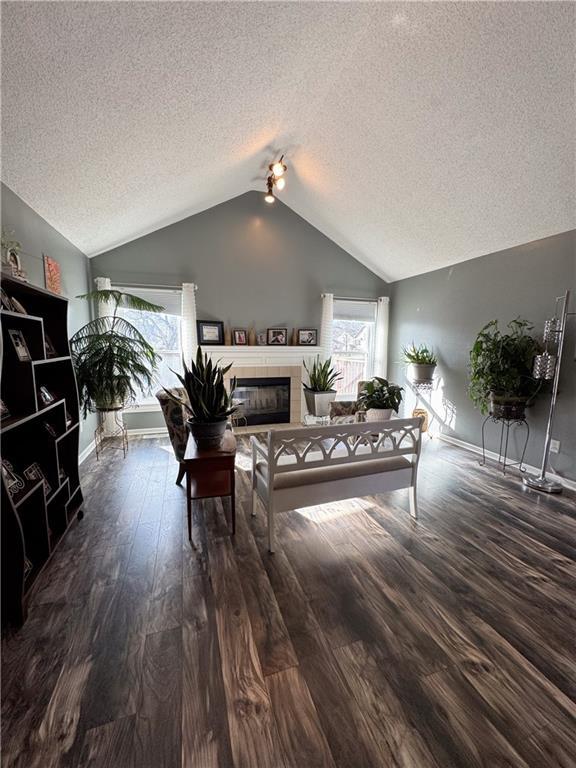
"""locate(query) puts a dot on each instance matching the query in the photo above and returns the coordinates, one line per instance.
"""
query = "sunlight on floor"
(337, 509)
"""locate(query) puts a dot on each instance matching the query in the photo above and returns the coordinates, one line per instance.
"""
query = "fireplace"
(264, 400)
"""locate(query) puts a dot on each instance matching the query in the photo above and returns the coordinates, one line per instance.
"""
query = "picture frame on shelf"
(6, 301)
(46, 397)
(20, 346)
(52, 274)
(240, 337)
(34, 472)
(49, 347)
(277, 337)
(261, 339)
(49, 428)
(14, 482)
(210, 332)
(17, 306)
(13, 266)
(307, 337)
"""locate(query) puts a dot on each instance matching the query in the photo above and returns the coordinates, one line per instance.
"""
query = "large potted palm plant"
(320, 392)
(112, 359)
(209, 403)
(501, 381)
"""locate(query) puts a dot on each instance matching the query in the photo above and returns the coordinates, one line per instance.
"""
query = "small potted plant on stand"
(379, 398)
(320, 392)
(421, 361)
(209, 403)
(501, 381)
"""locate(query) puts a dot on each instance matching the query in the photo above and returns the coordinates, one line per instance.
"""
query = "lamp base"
(542, 484)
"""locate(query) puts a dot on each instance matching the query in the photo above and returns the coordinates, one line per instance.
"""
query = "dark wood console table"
(210, 473)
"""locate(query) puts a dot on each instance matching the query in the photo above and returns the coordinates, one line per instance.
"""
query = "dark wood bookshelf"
(41, 428)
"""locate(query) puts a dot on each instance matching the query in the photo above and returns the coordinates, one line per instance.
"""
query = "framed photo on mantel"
(210, 332)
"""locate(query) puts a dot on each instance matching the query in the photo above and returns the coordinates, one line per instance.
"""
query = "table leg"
(189, 504)
(233, 500)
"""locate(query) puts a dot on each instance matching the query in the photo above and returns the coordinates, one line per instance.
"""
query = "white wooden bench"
(315, 465)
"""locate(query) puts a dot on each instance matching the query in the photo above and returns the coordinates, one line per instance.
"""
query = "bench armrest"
(258, 450)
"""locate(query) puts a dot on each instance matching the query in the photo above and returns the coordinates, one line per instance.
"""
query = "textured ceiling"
(418, 135)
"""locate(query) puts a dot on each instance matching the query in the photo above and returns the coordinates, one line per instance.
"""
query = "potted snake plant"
(379, 398)
(421, 363)
(209, 403)
(320, 392)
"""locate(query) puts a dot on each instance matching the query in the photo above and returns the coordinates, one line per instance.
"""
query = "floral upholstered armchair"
(346, 411)
(175, 417)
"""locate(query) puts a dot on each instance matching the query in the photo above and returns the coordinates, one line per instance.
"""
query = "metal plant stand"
(422, 391)
(505, 428)
(103, 434)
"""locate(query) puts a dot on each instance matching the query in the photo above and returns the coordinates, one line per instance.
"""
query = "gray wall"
(38, 237)
(252, 262)
(446, 308)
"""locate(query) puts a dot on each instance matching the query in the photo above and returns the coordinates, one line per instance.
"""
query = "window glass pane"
(353, 344)
(162, 331)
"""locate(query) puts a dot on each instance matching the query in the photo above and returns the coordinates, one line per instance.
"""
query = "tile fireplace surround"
(272, 362)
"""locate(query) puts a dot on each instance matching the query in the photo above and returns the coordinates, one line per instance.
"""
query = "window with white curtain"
(353, 334)
(163, 331)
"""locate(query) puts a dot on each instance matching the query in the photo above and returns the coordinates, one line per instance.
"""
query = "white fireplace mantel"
(262, 355)
(269, 361)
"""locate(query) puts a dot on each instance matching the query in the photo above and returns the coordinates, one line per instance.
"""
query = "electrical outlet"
(554, 446)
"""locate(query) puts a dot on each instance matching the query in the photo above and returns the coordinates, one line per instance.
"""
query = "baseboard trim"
(566, 482)
(87, 451)
(148, 431)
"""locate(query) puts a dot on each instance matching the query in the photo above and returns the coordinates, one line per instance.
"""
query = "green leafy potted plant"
(378, 397)
(209, 404)
(421, 361)
(320, 392)
(111, 357)
(501, 381)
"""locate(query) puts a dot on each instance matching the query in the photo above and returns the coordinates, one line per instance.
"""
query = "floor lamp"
(546, 367)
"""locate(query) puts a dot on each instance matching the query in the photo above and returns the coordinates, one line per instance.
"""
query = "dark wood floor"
(367, 640)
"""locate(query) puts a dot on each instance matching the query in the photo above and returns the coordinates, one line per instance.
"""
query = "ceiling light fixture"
(275, 179)
(269, 197)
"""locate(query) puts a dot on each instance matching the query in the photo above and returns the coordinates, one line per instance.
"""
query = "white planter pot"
(379, 414)
(419, 372)
(318, 403)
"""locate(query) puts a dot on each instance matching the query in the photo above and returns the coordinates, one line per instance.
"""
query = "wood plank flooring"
(368, 640)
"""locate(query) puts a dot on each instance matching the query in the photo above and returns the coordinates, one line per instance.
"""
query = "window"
(162, 331)
(353, 332)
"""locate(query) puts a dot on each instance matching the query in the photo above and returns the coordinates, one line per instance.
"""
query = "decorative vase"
(227, 336)
(294, 339)
(379, 414)
(252, 337)
(208, 435)
(507, 406)
(421, 372)
(318, 403)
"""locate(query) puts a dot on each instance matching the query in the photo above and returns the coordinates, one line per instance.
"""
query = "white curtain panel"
(326, 324)
(189, 334)
(381, 337)
(103, 308)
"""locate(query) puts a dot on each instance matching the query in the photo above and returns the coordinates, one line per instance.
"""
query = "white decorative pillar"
(326, 323)
(189, 334)
(381, 337)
